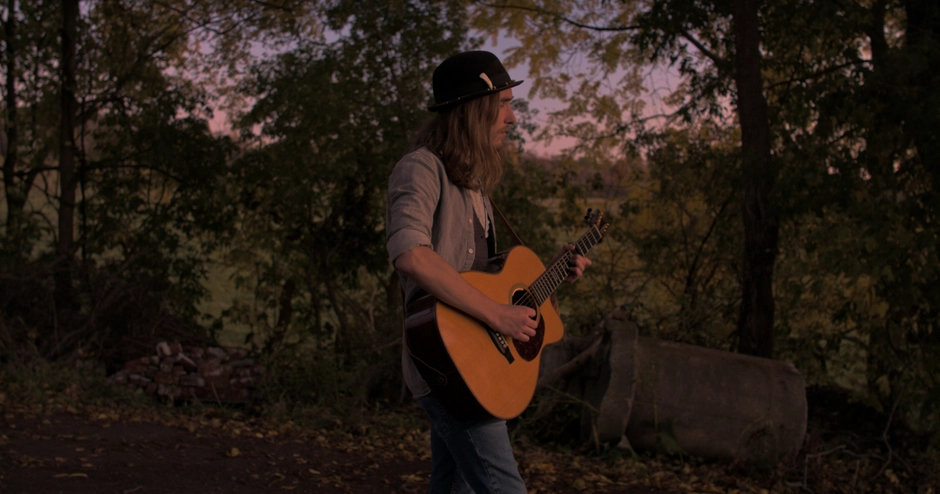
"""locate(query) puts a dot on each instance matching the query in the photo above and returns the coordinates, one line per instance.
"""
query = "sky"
(658, 79)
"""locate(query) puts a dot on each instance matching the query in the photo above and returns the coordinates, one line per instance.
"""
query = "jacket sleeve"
(414, 190)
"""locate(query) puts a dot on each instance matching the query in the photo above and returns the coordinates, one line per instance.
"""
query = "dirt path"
(91, 451)
(69, 454)
(55, 438)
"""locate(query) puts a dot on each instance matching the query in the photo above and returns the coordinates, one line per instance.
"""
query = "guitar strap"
(512, 233)
(518, 241)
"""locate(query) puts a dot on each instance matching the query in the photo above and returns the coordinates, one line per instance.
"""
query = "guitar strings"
(546, 284)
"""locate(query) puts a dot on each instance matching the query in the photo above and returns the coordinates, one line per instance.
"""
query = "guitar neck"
(546, 284)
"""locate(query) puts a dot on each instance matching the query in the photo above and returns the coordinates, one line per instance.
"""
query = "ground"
(79, 454)
(76, 450)
(55, 439)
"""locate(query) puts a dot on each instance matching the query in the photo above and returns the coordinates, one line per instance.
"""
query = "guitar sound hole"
(528, 350)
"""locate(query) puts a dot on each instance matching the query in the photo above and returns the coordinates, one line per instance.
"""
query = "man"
(439, 223)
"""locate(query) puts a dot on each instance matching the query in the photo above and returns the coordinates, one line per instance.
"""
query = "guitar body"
(472, 371)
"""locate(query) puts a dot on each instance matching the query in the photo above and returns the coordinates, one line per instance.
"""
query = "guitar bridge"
(501, 344)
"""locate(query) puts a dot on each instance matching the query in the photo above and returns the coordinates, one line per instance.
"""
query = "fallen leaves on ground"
(379, 441)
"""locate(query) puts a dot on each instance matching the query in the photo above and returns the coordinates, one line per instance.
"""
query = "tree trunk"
(285, 302)
(15, 199)
(755, 326)
(921, 37)
(65, 246)
(343, 343)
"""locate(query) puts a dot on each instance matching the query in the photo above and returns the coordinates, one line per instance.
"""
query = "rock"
(716, 404)
(138, 379)
(137, 366)
(192, 373)
(192, 380)
(163, 349)
(211, 369)
(119, 377)
(187, 363)
(672, 397)
(242, 382)
(220, 382)
(650, 394)
(164, 378)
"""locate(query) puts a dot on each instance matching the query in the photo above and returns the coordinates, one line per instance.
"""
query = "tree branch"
(289, 9)
(884, 437)
(819, 73)
(717, 60)
(815, 455)
(560, 17)
(573, 364)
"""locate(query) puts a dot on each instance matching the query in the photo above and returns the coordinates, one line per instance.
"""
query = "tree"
(332, 117)
(663, 32)
(838, 124)
(66, 212)
(83, 105)
(683, 228)
(760, 220)
(10, 156)
(885, 152)
(30, 52)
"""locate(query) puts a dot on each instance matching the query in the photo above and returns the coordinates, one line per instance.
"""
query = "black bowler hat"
(466, 76)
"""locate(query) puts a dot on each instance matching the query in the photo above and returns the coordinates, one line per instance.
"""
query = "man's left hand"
(576, 265)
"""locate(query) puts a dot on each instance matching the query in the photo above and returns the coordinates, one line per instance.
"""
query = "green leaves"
(330, 119)
(852, 137)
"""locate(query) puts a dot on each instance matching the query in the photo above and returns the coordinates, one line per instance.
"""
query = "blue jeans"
(470, 458)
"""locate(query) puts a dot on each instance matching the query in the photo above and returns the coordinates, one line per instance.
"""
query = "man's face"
(505, 119)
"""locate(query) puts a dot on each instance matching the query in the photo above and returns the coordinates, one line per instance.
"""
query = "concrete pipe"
(720, 405)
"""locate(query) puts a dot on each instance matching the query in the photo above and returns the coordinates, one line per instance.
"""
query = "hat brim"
(472, 96)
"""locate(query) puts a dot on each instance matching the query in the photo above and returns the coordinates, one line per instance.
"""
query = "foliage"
(326, 95)
(872, 170)
(80, 382)
(527, 183)
(681, 221)
(620, 38)
(330, 118)
(148, 209)
(852, 121)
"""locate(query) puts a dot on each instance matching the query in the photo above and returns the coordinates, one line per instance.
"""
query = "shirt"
(426, 208)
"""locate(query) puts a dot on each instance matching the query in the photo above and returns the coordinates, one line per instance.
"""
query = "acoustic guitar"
(471, 367)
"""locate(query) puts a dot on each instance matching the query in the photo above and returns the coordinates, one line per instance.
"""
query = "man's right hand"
(514, 321)
(441, 280)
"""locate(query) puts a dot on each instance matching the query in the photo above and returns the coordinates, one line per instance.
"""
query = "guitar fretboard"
(554, 275)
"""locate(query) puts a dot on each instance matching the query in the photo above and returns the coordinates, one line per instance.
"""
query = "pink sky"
(219, 123)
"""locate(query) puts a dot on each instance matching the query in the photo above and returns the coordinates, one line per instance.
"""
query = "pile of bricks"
(186, 373)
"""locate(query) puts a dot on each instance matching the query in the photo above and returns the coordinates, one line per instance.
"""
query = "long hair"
(461, 136)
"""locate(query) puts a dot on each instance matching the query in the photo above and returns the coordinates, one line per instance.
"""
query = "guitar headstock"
(595, 219)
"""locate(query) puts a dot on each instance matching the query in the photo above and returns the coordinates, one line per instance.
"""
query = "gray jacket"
(426, 208)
